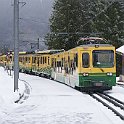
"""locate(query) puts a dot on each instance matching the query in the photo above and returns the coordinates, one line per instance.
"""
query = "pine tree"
(111, 23)
(92, 9)
(65, 22)
(71, 18)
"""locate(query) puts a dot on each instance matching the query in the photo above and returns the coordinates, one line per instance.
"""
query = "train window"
(41, 60)
(26, 59)
(48, 60)
(29, 60)
(71, 67)
(38, 61)
(59, 69)
(76, 60)
(52, 64)
(62, 62)
(23, 59)
(103, 58)
(58, 63)
(45, 60)
(68, 58)
(55, 63)
(85, 60)
(32, 59)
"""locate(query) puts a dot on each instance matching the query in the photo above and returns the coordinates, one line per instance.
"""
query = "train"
(89, 67)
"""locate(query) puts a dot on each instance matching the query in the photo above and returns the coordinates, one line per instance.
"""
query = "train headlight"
(109, 74)
(85, 74)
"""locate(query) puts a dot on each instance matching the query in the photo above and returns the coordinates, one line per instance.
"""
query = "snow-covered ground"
(49, 102)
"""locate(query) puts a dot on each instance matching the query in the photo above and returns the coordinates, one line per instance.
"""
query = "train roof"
(96, 45)
(41, 52)
(91, 38)
(89, 45)
(49, 51)
(22, 52)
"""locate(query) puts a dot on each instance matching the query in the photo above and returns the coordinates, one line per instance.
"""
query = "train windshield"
(103, 58)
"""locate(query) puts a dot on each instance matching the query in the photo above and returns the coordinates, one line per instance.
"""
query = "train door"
(85, 62)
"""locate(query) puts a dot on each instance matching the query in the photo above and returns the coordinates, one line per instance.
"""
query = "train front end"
(97, 67)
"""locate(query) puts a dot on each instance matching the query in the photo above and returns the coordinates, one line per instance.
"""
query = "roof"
(92, 38)
(49, 51)
(93, 45)
(120, 50)
(22, 52)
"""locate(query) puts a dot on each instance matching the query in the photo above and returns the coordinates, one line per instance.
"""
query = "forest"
(73, 19)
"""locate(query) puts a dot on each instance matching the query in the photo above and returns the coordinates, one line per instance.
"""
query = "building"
(121, 52)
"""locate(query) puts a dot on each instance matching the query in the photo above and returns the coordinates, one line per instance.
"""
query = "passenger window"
(48, 60)
(41, 60)
(45, 60)
(32, 59)
(35, 59)
(62, 62)
(52, 64)
(85, 60)
(76, 59)
(29, 60)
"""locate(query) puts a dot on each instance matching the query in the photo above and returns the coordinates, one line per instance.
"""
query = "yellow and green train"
(89, 67)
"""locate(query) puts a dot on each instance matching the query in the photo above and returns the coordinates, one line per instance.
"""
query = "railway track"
(120, 85)
(111, 103)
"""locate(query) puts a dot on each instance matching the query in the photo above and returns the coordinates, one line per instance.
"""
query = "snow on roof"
(120, 50)
(91, 38)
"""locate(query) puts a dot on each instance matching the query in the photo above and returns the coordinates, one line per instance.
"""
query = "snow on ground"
(117, 91)
(50, 102)
(7, 93)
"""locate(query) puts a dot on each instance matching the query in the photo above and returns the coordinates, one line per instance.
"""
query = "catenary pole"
(16, 44)
(38, 40)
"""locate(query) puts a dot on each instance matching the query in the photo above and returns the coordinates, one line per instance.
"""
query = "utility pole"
(38, 40)
(16, 44)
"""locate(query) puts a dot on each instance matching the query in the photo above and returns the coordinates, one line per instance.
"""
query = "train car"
(37, 62)
(3, 60)
(43, 64)
(6, 60)
(90, 67)
(86, 67)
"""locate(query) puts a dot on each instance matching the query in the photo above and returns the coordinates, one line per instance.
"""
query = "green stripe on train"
(92, 79)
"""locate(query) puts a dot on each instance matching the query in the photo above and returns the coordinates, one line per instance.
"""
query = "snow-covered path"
(51, 102)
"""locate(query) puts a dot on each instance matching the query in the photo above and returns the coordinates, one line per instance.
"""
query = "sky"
(33, 23)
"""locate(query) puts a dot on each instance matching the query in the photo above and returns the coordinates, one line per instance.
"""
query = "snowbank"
(7, 93)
